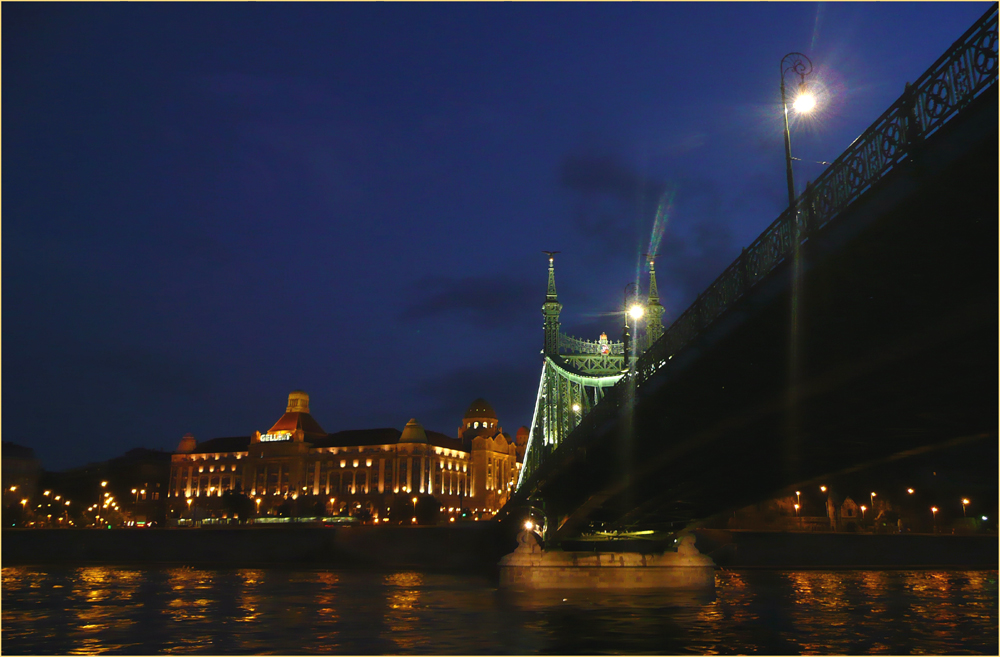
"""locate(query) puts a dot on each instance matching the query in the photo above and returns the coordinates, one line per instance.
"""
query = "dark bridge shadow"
(894, 349)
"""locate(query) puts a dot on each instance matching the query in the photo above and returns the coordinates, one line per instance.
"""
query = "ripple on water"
(243, 611)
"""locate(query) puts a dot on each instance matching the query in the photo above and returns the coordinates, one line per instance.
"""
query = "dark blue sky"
(206, 206)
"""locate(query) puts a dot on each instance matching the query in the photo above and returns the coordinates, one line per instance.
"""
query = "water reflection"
(252, 611)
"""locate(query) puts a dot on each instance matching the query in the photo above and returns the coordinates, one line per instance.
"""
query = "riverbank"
(466, 548)
(736, 549)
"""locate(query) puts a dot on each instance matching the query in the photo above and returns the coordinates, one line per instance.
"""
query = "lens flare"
(663, 212)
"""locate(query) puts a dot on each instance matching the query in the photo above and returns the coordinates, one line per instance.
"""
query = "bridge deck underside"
(897, 349)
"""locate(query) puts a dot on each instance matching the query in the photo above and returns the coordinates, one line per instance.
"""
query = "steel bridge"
(860, 324)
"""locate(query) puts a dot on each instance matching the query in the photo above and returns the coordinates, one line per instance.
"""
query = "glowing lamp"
(804, 103)
(636, 311)
(529, 525)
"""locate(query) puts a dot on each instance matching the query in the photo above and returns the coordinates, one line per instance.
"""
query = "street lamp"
(934, 511)
(635, 311)
(910, 491)
(794, 62)
(965, 503)
(873, 500)
(822, 489)
(863, 509)
(798, 497)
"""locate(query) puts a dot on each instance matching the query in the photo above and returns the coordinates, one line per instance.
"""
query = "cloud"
(510, 389)
(605, 174)
(610, 198)
(490, 301)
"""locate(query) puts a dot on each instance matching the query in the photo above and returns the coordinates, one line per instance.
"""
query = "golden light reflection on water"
(326, 598)
(248, 611)
(248, 600)
(403, 597)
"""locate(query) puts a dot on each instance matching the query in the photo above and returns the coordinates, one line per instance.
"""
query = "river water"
(148, 610)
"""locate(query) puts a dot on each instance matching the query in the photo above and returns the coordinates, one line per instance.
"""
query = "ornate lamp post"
(794, 62)
(635, 311)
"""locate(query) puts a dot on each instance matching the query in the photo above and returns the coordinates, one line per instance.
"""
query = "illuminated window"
(475, 425)
(355, 463)
(343, 464)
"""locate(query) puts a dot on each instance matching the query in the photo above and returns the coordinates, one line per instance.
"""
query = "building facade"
(296, 468)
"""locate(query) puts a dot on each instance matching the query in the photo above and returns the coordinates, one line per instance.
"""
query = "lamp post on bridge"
(804, 102)
(635, 311)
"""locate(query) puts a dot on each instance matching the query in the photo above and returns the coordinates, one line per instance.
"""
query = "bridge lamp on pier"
(965, 503)
(796, 510)
(934, 511)
(873, 500)
(863, 509)
(798, 497)
(576, 408)
(804, 102)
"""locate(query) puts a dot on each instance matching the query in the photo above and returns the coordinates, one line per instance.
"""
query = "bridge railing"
(962, 73)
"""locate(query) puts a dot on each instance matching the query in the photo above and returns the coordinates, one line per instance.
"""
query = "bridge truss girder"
(564, 397)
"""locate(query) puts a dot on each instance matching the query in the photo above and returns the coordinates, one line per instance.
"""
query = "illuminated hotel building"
(349, 471)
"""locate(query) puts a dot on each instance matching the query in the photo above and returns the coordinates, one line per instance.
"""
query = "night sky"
(206, 206)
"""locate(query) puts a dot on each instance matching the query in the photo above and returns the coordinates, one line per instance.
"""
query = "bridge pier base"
(531, 568)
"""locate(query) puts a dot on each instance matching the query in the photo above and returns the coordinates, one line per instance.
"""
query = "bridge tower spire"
(654, 311)
(551, 309)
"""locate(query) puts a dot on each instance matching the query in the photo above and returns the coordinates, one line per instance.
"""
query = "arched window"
(475, 425)
(361, 482)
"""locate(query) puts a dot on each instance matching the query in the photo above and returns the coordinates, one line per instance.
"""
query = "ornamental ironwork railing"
(958, 77)
(576, 345)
